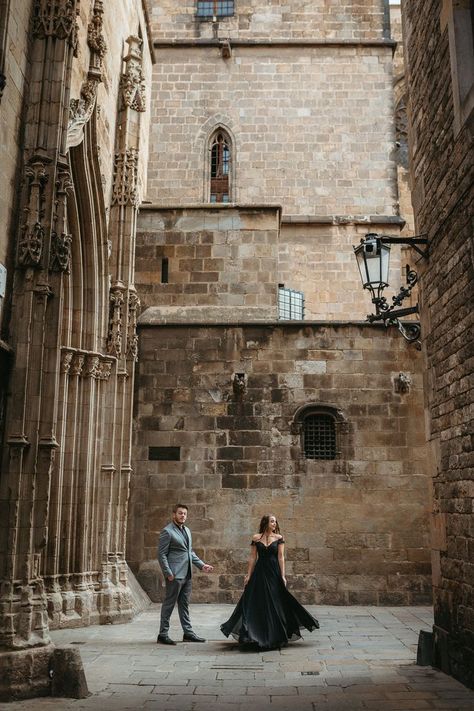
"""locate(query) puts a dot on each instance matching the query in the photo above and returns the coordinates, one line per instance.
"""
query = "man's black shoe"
(192, 638)
(164, 639)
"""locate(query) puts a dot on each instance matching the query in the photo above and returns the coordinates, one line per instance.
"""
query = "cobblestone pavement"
(361, 658)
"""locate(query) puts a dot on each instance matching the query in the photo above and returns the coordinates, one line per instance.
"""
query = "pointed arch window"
(220, 167)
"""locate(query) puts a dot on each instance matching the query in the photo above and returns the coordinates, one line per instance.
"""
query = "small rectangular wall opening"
(164, 270)
(164, 454)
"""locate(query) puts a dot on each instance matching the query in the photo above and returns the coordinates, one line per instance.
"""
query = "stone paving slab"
(362, 658)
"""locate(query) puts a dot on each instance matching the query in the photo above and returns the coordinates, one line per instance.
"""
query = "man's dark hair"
(179, 506)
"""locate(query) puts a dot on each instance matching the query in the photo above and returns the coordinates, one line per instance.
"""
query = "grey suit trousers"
(178, 590)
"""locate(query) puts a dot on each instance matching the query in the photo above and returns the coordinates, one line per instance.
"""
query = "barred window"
(220, 168)
(290, 304)
(215, 8)
(319, 436)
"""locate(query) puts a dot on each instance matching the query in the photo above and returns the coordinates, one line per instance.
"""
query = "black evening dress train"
(267, 616)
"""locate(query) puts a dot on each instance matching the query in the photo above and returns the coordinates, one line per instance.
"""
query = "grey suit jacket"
(174, 557)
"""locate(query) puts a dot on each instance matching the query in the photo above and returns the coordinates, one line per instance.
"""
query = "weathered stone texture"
(443, 172)
(400, 99)
(15, 69)
(128, 16)
(318, 260)
(68, 675)
(232, 258)
(356, 527)
(310, 108)
(74, 174)
(225, 257)
(25, 673)
(274, 20)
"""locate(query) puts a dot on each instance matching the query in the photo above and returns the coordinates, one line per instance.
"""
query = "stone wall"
(317, 258)
(311, 127)
(14, 21)
(223, 256)
(75, 158)
(400, 100)
(356, 527)
(442, 176)
(344, 20)
(233, 257)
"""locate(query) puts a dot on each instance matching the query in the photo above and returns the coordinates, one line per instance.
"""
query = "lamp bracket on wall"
(373, 257)
(412, 242)
(391, 315)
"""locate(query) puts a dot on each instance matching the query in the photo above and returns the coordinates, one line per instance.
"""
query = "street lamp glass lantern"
(373, 260)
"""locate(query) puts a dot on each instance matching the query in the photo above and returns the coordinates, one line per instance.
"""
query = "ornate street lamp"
(373, 260)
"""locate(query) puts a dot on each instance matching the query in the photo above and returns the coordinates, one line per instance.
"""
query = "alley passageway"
(361, 658)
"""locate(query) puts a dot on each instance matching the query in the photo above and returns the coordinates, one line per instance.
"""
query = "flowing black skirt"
(267, 615)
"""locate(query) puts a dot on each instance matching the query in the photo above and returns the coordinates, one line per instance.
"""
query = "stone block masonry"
(224, 257)
(311, 127)
(443, 180)
(345, 20)
(231, 259)
(356, 526)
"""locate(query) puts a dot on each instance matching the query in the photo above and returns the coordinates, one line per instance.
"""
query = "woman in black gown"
(267, 616)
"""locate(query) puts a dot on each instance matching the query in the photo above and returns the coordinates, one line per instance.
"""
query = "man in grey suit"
(176, 558)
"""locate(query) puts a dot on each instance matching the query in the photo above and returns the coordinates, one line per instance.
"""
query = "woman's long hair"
(264, 524)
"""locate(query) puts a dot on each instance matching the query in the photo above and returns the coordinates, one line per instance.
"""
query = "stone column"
(41, 261)
(122, 336)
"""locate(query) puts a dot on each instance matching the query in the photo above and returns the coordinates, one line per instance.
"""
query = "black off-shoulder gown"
(267, 615)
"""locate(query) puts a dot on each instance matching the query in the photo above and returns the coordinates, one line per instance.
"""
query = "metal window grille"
(215, 8)
(290, 304)
(319, 437)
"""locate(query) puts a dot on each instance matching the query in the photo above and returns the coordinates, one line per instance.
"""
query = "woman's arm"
(281, 560)
(252, 561)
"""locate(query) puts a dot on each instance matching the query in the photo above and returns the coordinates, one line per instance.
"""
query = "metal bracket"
(412, 242)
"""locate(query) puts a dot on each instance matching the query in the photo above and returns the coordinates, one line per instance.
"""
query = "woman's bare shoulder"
(256, 536)
(279, 536)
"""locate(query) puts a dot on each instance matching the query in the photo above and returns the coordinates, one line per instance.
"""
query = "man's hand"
(170, 578)
(207, 568)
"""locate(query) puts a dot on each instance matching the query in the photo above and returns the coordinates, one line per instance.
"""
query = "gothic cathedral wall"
(354, 520)
(299, 106)
(75, 174)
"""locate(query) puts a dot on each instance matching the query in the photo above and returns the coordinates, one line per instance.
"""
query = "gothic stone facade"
(356, 525)
(440, 65)
(222, 392)
(303, 102)
(305, 97)
(75, 124)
